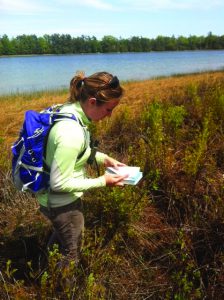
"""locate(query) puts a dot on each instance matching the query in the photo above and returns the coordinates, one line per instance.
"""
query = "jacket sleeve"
(100, 157)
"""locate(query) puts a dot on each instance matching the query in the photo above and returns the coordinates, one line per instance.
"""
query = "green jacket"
(68, 179)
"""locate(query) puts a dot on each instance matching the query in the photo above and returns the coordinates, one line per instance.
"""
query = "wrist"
(106, 158)
(103, 180)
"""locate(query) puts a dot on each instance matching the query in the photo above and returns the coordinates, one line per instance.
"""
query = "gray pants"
(68, 223)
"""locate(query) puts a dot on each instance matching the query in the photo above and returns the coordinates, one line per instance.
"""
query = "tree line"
(66, 44)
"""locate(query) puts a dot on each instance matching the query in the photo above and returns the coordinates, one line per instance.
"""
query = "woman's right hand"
(114, 180)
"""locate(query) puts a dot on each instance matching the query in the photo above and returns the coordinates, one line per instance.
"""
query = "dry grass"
(137, 94)
(137, 265)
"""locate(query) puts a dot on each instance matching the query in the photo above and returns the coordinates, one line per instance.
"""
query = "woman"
(91, 99)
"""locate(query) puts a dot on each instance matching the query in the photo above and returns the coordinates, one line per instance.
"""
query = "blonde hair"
(102, 85)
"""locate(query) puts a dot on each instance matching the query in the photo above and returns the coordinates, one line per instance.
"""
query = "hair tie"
(80, 82)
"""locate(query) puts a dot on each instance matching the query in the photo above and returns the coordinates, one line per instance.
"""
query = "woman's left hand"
(111, 162)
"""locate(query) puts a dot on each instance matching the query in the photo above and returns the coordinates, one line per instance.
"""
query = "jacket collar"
(81, 114)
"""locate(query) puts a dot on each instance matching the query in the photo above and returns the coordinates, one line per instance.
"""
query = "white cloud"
(32, 6)
(35, 6)
(151, 5)
(98, 4)
(21, 6)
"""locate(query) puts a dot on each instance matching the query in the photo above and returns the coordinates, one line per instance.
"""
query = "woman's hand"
(111, 162)
(114, 180)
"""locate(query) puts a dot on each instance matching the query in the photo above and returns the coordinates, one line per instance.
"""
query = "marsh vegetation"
(162, 239)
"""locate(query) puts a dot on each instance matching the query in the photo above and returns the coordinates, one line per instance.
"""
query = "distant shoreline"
(64, 90)
(102, 53)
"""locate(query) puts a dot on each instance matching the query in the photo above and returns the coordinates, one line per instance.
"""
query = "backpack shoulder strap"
(57, 117)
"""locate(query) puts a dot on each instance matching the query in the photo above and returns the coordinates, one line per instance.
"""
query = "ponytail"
(76, 86)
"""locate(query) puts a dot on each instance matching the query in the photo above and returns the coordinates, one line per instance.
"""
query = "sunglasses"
(112, 84)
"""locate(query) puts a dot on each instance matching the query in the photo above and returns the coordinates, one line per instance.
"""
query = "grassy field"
(162, 239)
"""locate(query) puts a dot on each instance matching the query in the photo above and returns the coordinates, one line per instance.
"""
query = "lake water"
(33, 73)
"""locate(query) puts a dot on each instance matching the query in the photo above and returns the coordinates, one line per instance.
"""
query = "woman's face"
(96, 112)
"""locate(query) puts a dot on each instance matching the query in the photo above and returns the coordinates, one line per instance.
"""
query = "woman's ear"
(92, 101)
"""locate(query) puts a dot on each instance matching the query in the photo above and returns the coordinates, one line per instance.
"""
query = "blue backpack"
(29, 170)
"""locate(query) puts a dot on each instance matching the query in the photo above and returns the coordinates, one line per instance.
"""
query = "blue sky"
(119, 18)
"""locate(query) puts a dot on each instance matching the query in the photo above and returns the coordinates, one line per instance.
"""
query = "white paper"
(134, 174)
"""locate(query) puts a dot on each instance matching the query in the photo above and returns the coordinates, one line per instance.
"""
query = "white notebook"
(134, 174)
